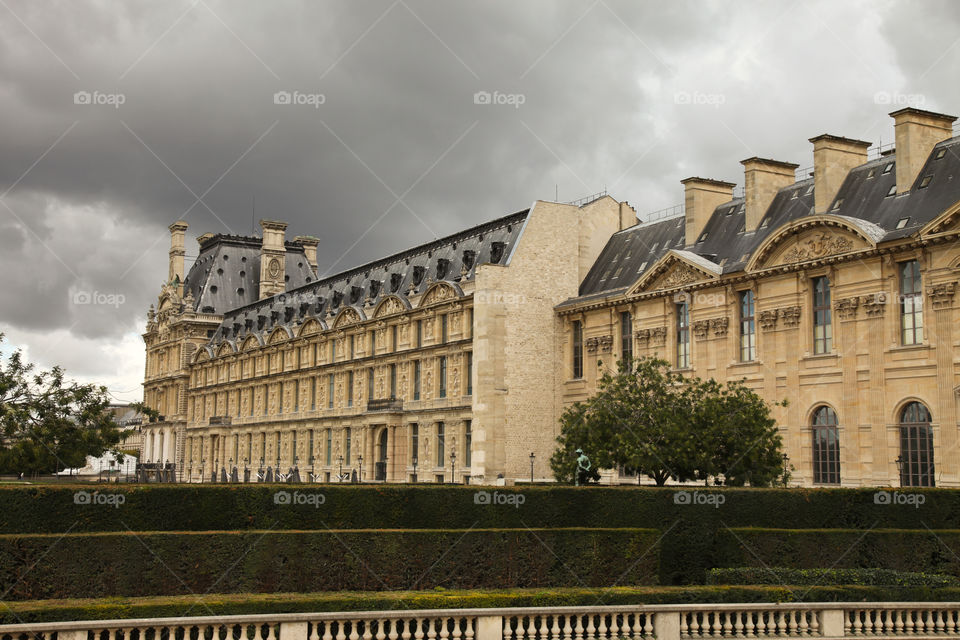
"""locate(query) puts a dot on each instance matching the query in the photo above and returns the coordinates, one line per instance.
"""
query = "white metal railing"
(627, 622)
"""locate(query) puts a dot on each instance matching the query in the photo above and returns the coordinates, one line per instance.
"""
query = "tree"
(651, 420)
(48, 423)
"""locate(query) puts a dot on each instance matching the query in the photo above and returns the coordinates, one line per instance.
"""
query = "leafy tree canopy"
(48, 423)
(652, 420)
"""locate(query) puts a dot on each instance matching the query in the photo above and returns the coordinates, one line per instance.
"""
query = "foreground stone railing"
(637, 622)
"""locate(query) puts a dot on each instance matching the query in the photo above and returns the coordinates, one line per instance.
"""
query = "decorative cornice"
(874, 305)
(659, 336)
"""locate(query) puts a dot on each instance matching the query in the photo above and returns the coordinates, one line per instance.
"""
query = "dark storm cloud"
(631, 96)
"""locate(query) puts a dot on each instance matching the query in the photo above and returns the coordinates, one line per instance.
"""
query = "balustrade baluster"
(468, 630)
(738, 623)
(444, 629)
(602, 627)
(567, 628)
(578, 630)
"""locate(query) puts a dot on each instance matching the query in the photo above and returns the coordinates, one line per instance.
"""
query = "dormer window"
(641, 267)
(925, 182)
(872, 174)
(764, 224)
(902, 222)
(795, 195)
(703, 236)
(808, 191)
(892, 191)
(836, 205)
(940, 154)
(887, 168)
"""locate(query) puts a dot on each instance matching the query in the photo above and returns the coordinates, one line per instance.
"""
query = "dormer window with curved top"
(261, 322)
(396, 280)
(418, 275)
(443, 265)
(374, 288)
(337, 298)
(355, 294)
(469, 257)
(496, 252)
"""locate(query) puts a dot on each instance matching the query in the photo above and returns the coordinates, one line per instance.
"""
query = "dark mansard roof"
(863, 196)
(453, 258)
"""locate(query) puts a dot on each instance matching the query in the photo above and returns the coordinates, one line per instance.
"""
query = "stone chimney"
(628, 216)
(917, 132)
(273, 253)
(310, 250)
(833, 158)
(177, 251)
(701, 196)
(762, 179)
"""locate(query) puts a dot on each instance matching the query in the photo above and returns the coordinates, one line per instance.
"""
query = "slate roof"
(363, 287)
(862, 196)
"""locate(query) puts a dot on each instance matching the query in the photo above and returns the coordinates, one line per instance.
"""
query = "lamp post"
(453, 466)
(360, 463)
(203, 467)
(532, 457)
(900, 469)
(414, 468)
(786, 460)
(340, 462)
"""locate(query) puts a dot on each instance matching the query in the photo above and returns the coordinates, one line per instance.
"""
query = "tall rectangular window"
(266, 399)
(252, 403)
(296, 396)
(313, 394)
(278, 448)
(468, 374)
(393, 381)
(467, 443)
(683, 335)
(444, 328)
(333, 350)
(348, 435)
(419, 333)
(236, 448)
(441, 443)
(330, 391)
(442, 376)
(911, 303)
(373, 342)
(394, 340)
(249, 457)
(577, 349)
(416, 379)
(826, 447)
(350, 389)
(328, 447)
(626, 336)
(263, 446)
(370, 383)
(748, 327)
(310, 447)
(822, 321)
(353, 346)
(293, 448)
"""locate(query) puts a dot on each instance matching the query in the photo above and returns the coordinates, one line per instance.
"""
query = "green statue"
(583, 474)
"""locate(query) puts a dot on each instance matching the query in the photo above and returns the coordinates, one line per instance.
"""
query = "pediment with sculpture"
(676, 269)
(815, 238)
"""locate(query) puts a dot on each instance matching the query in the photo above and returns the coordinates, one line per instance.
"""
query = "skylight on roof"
(925, 182)
(836, 205)
(892, 191)
(619, 271)
(703, 236)
(940, 154)
(902, 222)
(642, 267)
(740, 210)
(872, 174)
(887, 168)
(795, 195)
(654, 247)
(808, 191)
(764, 224)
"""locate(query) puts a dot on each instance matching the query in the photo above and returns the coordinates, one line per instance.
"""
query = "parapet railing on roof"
(802, 173)
(956, 127)
(584, 200)
(738, 191)
(662, 214)
(877, 150)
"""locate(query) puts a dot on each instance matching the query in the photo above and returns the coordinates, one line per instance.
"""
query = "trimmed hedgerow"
(815, 577)
(924, 550)
(154, 564)
(248, 604)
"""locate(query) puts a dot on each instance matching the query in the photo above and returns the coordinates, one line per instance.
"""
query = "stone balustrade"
(635, 622)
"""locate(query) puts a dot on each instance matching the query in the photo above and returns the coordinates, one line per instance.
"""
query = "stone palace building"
(832, 287)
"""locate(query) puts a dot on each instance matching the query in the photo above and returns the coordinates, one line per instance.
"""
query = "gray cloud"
(602, 85)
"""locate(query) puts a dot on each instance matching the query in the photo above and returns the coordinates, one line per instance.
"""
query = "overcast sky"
(121, 117)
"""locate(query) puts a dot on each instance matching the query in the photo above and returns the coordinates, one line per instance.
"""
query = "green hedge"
(154, 564)
(248, 604)
(815, 577)
(924, 550)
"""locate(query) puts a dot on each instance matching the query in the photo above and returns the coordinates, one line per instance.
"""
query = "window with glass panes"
(330, 391)
(911, 303)
(577, 328)
(822, 320)
(916, 447)
(442, 377)
(416, 379)
(441, 443)
(748, 327)
(626, 336)
(469, 373)
(683, 335)
(826, 446)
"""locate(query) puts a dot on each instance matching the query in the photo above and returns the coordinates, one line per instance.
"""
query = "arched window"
(916, 447)
(826, 446)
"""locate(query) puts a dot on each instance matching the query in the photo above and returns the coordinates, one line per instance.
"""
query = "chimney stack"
(762, 179)
(917, 132)
(273, 254)
(310, 250)
(177, 252)
(701, 196)
(833, 158)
